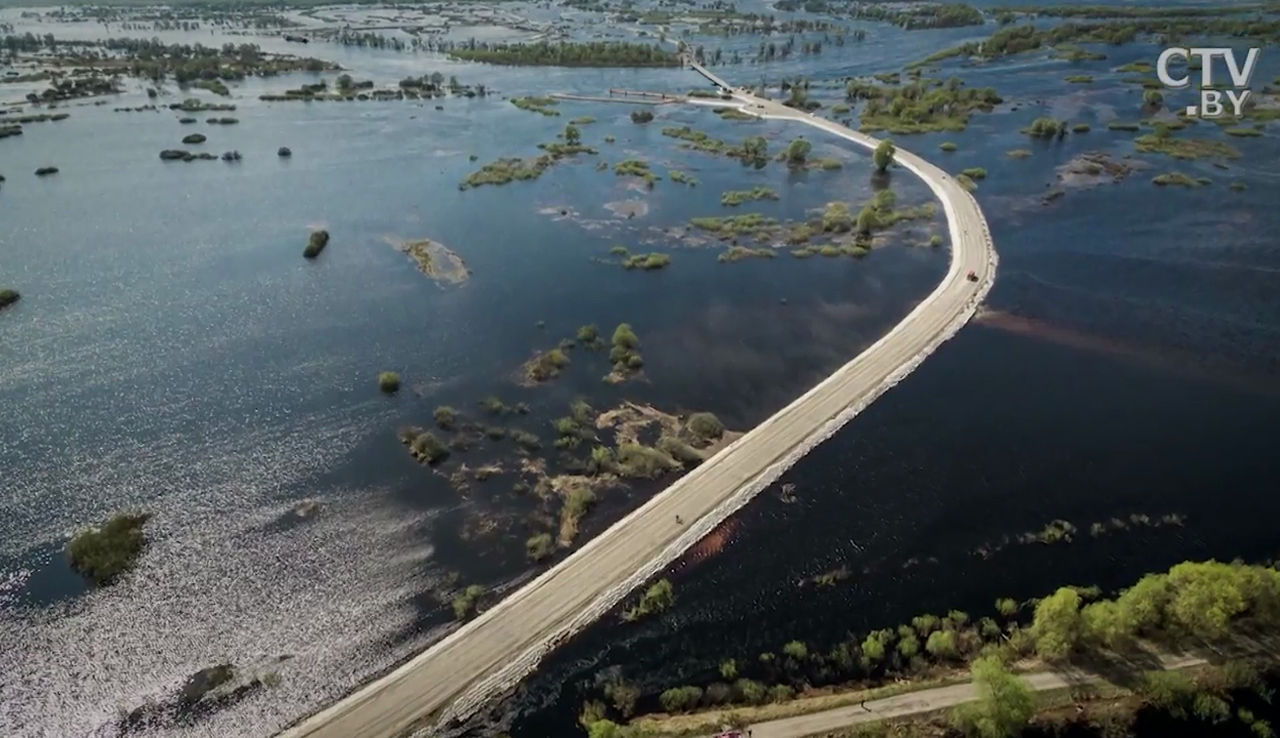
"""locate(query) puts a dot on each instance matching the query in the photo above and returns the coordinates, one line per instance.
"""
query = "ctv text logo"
(1210, 100)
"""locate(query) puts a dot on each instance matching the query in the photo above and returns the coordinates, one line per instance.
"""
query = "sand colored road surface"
(489, 655)
(928, 700)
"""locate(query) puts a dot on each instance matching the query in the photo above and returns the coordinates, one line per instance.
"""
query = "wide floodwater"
(174, 352)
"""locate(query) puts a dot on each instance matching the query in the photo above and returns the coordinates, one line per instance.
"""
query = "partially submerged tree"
(105, 553)
(883, 155)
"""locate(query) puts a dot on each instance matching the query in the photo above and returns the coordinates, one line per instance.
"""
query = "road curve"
(489, 655)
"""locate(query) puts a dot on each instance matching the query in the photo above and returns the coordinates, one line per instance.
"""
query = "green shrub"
(446, 417)
(637, 461)
(975, 173)
(8, 297)
(466, 605)
(539, 546)
(107, 552)
(194, 138)
(427, 448)
(706, 426)
(389, 382)
(947, 146)
(526, 440)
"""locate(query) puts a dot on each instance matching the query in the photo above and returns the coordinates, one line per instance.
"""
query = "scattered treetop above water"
(565, 54)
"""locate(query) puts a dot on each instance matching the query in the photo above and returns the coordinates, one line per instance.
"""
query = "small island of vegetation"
(625, 354)
(8, 297)
(389, 382)
(316, 243)
(105, 553)
(732, 198)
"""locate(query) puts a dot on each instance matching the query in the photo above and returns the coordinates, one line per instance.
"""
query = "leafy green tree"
(729, 669)
(1144, 603)
(883, 155)
(1208, 596)
(623, 696)
(679, 699)
(1106, 624)
(1004, 706)
(571, 134)
(1056, 626)
(752, 693)
(1170, 691)
(592, 712)
(925, 624)
(942, 644)
(796, 650)
(604, 729)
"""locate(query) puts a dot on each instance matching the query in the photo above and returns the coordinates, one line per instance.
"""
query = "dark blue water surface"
(173, 352)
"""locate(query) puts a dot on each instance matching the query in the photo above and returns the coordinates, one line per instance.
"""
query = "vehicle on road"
(971, 276)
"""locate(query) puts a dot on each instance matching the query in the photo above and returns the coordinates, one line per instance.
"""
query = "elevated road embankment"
(489, 655)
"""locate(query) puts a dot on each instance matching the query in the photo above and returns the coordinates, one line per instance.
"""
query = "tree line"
(565, 54)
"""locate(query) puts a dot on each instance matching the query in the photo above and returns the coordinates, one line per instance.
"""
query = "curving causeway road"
(488, 656)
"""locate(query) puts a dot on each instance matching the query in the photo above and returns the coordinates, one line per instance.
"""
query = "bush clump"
(8, 297)
(647, 262)
(107, 552)
(194, 138)
(425, 447)
(284, 152)
(1045, 128)
(467, 604)
(446, 417)
(539, 546)
(656, 599)
(316, 243)
(547, 365)
(706, 426)
(389, 382)
(641, 462)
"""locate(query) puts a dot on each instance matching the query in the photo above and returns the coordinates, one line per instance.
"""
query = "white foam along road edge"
(509, 675)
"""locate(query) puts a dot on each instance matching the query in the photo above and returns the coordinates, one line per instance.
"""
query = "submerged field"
(173, 351)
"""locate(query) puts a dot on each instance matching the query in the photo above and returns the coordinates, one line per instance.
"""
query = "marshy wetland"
(577, 300)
